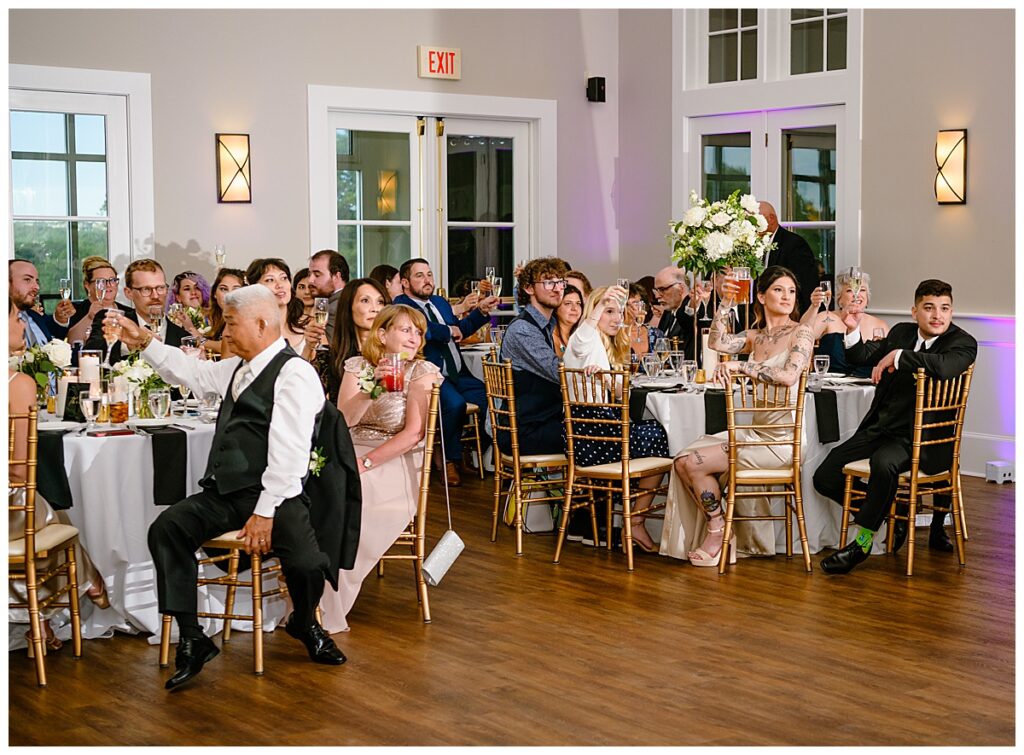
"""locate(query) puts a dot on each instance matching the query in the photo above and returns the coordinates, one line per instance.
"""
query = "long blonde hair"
(617, 347)
(373, 349)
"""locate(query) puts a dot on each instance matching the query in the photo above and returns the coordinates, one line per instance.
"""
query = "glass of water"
(821, 364)
(160, 403)
(651, 364)
(90, 404)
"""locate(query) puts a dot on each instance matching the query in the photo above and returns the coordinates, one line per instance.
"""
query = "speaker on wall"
(595, 89)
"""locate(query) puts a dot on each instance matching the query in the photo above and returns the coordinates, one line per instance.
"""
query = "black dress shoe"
(938, 540)
(842, 561)
(899, 536)
(319, 645)
(192, 654)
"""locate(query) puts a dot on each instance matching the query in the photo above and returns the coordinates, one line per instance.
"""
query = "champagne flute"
(705, 287)
(100, 287)
(185, 392)
(160, 403)
(65, 289)
(495, 285)
(220, 255)
(176, 313)
(826, 288)
(320, 315)
(111, 334)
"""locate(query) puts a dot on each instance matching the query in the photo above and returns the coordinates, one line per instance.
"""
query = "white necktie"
(242, 380)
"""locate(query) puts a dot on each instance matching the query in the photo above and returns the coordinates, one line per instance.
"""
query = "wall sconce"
(387, 192)
(951, 166)
(234, 182)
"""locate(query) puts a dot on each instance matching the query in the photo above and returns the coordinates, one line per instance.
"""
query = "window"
(817, 40)
(732, 45)
(809, 188)
(726, 165)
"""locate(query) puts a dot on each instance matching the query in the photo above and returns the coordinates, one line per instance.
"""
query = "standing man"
(328, 274)
(146, 288)
(254, 476)
(944, 350)
(23, 281)
(793, 253)
(444, 332)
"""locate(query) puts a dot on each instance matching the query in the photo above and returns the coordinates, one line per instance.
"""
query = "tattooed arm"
(801, 347)
(720, 339)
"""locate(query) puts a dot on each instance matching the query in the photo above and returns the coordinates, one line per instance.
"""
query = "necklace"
(780, 331)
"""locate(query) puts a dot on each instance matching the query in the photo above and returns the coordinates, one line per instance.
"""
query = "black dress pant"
(180, 529)
(889, 458)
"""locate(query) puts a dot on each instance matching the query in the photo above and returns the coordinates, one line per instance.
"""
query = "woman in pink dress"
(388, 428)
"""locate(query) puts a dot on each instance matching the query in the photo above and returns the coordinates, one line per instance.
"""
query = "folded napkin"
(714, 412)
(51, 477)
(637, 403)
(170, 464)
(828, 415)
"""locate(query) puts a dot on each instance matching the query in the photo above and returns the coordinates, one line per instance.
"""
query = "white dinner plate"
(479, 347)
(154, 422)
(848, 380)
(59, 425)
(660, 382)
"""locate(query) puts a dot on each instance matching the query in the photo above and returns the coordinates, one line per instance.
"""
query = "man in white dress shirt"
(254, 476)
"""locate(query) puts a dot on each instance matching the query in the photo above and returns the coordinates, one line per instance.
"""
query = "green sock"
(864, 539)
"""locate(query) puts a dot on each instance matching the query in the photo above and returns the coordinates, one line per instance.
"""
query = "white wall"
(248, 71)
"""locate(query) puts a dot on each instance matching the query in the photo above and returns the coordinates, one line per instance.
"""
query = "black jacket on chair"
(174, 334)
(892, 409)
(793, 253)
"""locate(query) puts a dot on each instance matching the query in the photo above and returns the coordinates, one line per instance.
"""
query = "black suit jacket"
(174, 334)
(892, 410)
(679, 325)
(793, 253)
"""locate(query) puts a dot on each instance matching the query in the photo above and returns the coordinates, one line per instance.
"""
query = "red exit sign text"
(439, 62)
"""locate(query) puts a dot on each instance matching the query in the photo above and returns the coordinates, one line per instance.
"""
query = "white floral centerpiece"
(44, 364)
(142, 379)
(713, 236)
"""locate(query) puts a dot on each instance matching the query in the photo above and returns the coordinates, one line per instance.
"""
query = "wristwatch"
(367, 462)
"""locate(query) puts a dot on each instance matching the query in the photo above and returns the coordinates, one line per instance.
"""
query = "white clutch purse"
(448, 548)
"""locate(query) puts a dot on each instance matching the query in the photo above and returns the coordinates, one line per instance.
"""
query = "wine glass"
(662, 347)
(689, 371)
(651, 364)
(185, 392)
(111, 335)
(189, 347)
(826, 288)
(160, 403)
(706, 287)
(495, 285)
(90, 404)
(220, 255)
(320, 315)
(65, 289)
(176, 313)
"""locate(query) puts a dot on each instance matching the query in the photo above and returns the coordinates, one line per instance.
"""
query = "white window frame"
(738, 30)
(786, 46)
(137, 239)
(540, 115)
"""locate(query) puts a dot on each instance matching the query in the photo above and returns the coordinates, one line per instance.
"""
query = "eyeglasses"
(663, 289)
(106, 281)
(148, 290)
(552, 283)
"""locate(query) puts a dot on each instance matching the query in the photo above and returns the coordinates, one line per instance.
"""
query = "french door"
(454, 191)
(792, 158)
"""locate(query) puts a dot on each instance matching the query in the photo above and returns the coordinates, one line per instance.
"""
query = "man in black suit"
(673, 295)
(793, 253)
(146, 288)
(944, 350)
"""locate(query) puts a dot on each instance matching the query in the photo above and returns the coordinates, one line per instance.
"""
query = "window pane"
(836, 11)
(836, 44)
(798, 13)
(38, 132)
(749, 16)
(748, 55)
(807, 47)
(726, 164)
(373, 181)
(89, 135)
(470, 250)
(365, 247)
(343, 138)
(479, 179)
(92, 189)
(721, 18)
(40, 187)
(810, 176)
(721, 58)
(44, 243)
(823, 243)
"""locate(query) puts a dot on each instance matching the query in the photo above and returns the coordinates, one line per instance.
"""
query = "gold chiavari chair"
(471, 434)
(42, 556)
(601, 401)
(525, 477)
(262, 567)
(414, 535)
(939, 410)
(760, 400)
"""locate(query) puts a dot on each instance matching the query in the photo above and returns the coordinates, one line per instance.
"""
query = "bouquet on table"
(195, 314)
(713, 236)
(44, 364)
(141, 378)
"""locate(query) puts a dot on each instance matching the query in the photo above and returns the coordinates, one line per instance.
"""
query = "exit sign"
(439, 62)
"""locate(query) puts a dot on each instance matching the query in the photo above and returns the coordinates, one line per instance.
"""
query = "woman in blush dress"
(388, 429)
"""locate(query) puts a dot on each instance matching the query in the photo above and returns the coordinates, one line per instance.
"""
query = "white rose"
(717, 245)
(694, 216)
(14, 363)
(749, 203)
(29, 357)
(721, 219)
(694, 199)
(736, 230)
(59, 353)
(762, 224)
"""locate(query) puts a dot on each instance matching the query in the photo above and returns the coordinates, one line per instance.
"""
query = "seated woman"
(190, 290)
(597, 344)
(358, 306)
(641, 335)
(389, 277)
(388, 433)
(780, 347)
(302, 291)
(21, 397)
(567, 319)
(852, 287)
(227, 280)
(275, 274)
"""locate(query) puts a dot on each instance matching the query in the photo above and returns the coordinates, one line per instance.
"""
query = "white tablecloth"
(682, 415)
(474, 359)
(111, 482)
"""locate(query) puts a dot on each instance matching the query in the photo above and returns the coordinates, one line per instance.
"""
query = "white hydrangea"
(721, 219)
(749, 203)
(717, 245)
(694, 216)
(762, 224)
(58, 352)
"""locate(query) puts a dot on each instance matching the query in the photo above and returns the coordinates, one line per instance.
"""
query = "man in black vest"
(944, 350)
(793, 253)
(254, 476)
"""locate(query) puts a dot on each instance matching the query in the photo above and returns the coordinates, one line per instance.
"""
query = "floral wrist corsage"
(368, 383)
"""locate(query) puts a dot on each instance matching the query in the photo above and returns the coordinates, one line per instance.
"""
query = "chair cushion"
(748, 476)
(862, 468)
(51, 537)
(614, 469)
(471, 408)
(537, 460)
(227, 541)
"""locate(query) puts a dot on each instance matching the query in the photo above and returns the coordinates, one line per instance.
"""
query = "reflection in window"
(732, 45)
(817, 40)
(809, 174)
(725, 164)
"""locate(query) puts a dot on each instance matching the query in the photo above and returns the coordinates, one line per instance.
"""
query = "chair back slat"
(756, 397)
(21, 472)
(605, 389)
(939, 411)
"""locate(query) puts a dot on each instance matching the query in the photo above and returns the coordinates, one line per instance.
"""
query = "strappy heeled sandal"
(50, 641)
(701, 557)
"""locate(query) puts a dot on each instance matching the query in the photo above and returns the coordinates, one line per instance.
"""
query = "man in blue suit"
(23, 279)
(444, 332)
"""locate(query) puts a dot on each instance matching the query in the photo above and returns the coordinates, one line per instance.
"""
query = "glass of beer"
(742, 276)
(394, 377)
(118, 406)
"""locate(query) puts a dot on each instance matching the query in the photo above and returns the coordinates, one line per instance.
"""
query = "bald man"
(673, 294)
(793, 253)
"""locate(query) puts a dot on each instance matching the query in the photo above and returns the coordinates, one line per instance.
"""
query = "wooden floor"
(524, 652)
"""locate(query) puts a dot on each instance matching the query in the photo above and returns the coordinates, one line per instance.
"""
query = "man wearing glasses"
(528, 345)
(146, 288)
(673, 295)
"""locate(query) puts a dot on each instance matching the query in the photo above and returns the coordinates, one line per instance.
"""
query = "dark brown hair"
(216, 313)
(295, 319)
(345, 339)
(932, 287)
(768, 277)
(536, 270)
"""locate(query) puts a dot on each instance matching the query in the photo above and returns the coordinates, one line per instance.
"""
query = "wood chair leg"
(566, 513)
(229, 601)
(627, 527)
(730, 512)
(845, 523)
(960, 502)
(479, 446)
(257, 614)
(35, 622)
(911, 521)
(497, 496)
(959, 533)
(801, 526)
(518, 516)
(76, 623)
(165, 641)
